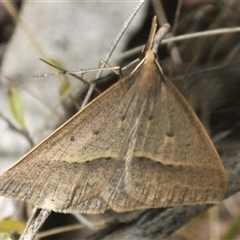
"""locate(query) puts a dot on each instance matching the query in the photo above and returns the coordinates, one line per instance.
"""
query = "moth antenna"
(49, 74)
(162, 31)
(62, 71)
(65, 71)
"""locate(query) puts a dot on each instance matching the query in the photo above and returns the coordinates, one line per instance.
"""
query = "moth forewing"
(138, 145)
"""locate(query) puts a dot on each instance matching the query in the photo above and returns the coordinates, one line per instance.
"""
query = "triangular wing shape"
(174, 161)
(79, 159)
(138, 145)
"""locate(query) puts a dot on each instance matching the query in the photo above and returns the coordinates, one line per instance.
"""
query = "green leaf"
(7, 226)
(16, 105)
(233, 229)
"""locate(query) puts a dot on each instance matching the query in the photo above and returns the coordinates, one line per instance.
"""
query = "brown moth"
(138, 145)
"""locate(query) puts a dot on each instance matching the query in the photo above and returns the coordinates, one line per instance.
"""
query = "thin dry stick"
(163, 19)
(233, 53)
(213, 217)
(201, 34)
(119, 69)
(69, 228)
(58, 230)
(64, 71)
(81, 71)
(31, 36)
(30, 232)
(109, 54)
(29, 222)
(13, 12)
(23, 132)
(159, 36)
(187, 73)
(176, 18)
(183, 37)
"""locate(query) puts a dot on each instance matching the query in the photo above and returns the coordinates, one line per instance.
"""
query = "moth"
(138, 145)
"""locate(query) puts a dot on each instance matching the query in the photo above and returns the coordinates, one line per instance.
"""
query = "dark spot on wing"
(95, 132)
(150, 117)
(122, 118)
(169, 134)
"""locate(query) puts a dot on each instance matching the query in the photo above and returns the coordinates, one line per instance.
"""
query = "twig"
(33, 229)
(23, 132)
(109, 54)
(182, 38)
